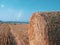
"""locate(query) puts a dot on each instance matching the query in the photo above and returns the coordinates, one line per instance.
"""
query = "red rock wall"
(44, 28)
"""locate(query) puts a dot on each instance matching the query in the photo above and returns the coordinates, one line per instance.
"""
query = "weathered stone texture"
(44, 28)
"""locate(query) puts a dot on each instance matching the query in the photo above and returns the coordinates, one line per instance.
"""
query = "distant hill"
(14, 22)
(0, 21)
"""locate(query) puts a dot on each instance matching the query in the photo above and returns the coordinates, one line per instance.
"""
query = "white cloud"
(19, 15)
(2, 5)
(9, 14)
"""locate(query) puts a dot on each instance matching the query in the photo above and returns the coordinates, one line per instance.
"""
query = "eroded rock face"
(44, 28)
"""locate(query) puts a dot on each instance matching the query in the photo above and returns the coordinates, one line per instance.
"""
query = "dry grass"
(6, 37)
(11, 34)
(21, 32)
(45, 28)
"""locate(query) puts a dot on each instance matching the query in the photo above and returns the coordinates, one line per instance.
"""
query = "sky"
(22, 10)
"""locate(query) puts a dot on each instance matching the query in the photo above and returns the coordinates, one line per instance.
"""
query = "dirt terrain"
(17, 31)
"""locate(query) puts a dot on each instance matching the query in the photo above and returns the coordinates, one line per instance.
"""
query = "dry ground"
(18, 31)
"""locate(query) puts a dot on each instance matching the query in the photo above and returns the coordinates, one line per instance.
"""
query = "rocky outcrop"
(44, 28)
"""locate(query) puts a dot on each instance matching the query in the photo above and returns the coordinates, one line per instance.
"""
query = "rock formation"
(44, 28)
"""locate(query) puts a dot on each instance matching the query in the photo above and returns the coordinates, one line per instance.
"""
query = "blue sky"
(21, 10)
